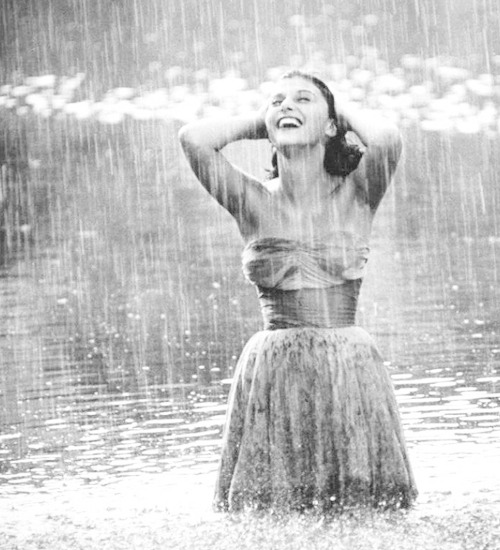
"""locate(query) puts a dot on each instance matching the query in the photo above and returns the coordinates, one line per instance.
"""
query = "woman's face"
(297, 114)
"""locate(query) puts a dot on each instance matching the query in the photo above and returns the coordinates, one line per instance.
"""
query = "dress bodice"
(306, 284)
(287, 264)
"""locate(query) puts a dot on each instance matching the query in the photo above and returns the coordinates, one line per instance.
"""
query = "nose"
(287, 104)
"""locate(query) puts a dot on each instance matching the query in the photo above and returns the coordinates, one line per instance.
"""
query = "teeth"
(289, 122)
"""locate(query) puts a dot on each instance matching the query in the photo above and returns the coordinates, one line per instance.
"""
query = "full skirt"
(313, 422)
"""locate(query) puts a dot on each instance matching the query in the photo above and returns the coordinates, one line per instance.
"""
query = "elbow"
(395, 141)
(193, 140)
(185, 135)
(398, 143)
(194, 147)
(189, 141)
(391, 140)
(388, 145)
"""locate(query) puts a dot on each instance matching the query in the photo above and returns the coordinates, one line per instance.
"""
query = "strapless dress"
(312, 418)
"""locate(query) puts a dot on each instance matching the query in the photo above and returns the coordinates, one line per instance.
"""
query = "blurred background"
(123, 306)
(136, 43)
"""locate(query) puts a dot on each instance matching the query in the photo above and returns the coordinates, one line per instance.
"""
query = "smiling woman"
(312, 419)
(340, 158)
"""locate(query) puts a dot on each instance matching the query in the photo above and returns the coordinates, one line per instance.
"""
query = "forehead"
(295, 84)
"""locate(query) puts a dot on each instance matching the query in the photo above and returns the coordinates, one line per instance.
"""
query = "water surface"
(123, 311)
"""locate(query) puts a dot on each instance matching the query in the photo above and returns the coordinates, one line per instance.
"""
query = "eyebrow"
(279, 94)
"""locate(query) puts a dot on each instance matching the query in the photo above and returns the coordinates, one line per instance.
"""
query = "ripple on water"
(91, 313)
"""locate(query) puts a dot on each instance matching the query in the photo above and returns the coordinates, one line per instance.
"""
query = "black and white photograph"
(249, 275)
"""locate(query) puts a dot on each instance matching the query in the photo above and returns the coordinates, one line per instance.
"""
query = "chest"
(315, 219)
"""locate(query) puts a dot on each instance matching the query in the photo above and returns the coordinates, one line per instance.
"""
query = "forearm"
(217, 133)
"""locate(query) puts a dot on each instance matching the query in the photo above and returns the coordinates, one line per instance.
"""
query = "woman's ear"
(331, 129)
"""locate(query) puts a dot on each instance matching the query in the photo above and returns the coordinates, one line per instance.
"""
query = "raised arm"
(202, 142)
(383, 143)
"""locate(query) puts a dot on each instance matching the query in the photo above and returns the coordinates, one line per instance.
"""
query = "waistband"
(330, 307)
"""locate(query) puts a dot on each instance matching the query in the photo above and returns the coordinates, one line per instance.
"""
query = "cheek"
(268, 119)
(271, 136)
(320, 126)
(270, 126)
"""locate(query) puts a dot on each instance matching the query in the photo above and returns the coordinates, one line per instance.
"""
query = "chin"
(292, 138)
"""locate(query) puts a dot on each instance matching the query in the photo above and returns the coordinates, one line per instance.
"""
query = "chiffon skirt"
(312, 422)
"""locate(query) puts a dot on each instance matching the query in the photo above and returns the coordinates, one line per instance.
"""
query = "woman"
(312, 419)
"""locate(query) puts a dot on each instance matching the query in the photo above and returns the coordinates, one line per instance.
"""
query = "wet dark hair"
(341, 158)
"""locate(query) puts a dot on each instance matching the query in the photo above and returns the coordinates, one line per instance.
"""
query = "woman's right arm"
(202, 142)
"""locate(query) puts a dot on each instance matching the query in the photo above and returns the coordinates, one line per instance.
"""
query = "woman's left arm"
(383, 143)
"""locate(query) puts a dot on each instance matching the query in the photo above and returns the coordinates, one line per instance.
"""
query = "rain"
(123, 304)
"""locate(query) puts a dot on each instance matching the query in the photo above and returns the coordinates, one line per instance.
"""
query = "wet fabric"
(286, 264)
(310, 307)
(312, 419)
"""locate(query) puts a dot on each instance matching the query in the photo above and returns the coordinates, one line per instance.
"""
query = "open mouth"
(289, 122)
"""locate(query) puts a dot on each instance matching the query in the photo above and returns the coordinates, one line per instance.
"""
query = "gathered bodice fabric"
(306, 284)
(287, 264)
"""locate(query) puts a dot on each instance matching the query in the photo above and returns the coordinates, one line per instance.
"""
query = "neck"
(302, 175)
